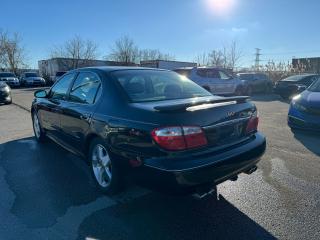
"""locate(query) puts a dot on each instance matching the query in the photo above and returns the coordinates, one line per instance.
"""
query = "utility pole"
(257, 59)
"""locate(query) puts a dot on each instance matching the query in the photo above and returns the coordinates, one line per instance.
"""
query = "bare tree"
(226, 57)
(12, 53)
(76, 52)
(125, 51)
(234, 55)
(217, 58)
(202, 59)
(153, 54)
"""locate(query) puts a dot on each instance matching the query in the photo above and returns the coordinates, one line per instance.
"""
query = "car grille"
(226, 132)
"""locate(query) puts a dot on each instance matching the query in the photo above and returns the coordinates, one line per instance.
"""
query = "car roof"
(117, 68)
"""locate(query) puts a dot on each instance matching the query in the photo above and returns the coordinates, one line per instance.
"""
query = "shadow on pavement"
(47, 180)
(156, 216)
(310, 140)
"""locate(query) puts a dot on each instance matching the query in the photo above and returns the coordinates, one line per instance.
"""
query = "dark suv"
(293, 85)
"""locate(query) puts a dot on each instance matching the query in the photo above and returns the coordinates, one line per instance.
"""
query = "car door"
(51, 107)
(227, 84)
(77, 111)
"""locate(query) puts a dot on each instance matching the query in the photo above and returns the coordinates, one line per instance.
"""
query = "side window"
(60, 89)
(85, 88)
(224, 76)
(208, 73)
(307, 81)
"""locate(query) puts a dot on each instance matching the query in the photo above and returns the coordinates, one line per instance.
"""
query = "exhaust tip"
(251, 170)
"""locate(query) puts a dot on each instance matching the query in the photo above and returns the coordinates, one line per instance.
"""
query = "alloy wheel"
(101, 165)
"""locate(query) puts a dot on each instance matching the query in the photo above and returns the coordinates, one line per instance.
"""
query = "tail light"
(179, 138)
(252, 125)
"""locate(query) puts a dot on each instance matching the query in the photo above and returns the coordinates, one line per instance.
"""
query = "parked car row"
(27, 79)
(220, 82)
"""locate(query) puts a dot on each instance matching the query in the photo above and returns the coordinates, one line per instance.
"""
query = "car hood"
(8, 78)
(33, 78)
(311, 99)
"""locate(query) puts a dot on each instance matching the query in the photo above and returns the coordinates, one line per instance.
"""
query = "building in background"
(169, 65)
(48, 68)
(309, 65)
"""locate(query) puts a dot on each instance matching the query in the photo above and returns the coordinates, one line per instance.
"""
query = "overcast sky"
(184, 28)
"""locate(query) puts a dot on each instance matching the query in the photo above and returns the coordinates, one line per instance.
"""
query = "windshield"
(31, 75)
(151, 85)
(7, 75)
(315, 87)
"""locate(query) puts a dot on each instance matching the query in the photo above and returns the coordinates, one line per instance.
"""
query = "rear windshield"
(7, 75)
(295, 78)
(151, 85)
(31, 75)
(315, 87)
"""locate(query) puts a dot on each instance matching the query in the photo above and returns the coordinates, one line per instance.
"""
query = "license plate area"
(225, 134)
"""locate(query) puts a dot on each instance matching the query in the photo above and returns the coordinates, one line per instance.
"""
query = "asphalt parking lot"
(46, 192)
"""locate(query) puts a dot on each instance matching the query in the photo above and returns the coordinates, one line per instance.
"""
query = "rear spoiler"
(184, 106)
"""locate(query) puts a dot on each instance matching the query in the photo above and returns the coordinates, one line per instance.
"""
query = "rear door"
(77, 112)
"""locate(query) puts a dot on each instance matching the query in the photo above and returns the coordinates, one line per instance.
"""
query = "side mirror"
(40, 93)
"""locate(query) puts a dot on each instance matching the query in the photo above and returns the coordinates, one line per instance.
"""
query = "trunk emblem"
(231, 114)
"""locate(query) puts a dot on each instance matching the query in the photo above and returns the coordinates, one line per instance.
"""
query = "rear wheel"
(105, 170)
(37, 129)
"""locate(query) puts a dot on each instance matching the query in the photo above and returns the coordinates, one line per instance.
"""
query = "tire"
(105, 170)
(37, 129)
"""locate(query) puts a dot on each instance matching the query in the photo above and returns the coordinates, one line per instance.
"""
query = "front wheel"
(105, 170)
(37, 129)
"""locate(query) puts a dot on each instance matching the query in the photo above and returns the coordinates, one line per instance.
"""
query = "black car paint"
(126, 127)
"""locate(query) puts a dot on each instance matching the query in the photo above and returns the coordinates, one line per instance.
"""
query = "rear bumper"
(185, 174)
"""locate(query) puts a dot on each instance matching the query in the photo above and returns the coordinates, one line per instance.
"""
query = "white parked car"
(216, 80)
(32, 79)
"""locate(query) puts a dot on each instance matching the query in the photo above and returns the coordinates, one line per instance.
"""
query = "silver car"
(32, 79)
(10, 79)
(216, 80)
